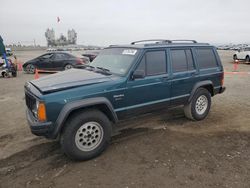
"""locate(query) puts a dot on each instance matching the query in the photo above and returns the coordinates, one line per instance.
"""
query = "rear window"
(206, 58)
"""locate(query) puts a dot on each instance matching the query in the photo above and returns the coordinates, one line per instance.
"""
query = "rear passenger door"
(184, 74)
(152, 91)
(59, 61)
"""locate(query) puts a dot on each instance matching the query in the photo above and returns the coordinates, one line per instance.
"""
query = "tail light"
(222, 79)
(79, 61)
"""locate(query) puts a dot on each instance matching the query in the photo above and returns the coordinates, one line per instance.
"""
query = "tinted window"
(46, 56)
(156, 62)
(182, 60)
(142, 64)
(61, 56)
(206, 58)
(179, 61)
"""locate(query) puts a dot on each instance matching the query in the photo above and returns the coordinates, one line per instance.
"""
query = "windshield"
(116, 60)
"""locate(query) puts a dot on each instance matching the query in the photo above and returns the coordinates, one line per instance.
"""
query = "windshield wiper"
(107, 71)
(88, 66)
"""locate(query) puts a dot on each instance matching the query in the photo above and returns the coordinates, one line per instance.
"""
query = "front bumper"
(39, 128)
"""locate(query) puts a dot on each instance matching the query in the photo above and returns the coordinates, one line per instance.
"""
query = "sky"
(105, 22)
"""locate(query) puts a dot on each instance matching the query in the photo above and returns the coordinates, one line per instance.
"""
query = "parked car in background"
(242, 54)
(54, 61)
(91, 56)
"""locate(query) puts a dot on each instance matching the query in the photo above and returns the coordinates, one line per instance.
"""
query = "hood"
(69, 79)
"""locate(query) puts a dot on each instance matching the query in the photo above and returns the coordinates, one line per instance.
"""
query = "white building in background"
(62, 40)
(50, 36)
(72, 36)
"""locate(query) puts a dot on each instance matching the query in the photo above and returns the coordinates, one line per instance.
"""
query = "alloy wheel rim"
(89, 136)
(201, 104)
(30, 68)
(68, 67)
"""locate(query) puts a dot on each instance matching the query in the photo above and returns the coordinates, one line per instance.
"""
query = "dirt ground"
(161, 149)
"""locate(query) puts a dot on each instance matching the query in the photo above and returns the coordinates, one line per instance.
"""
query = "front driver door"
(152, 91)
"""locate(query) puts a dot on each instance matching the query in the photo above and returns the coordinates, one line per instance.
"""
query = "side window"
(206, 58)
(60, 56)
(179, 61)
(153, 63)
(182, 60)
(142, 65)
(156, 62)
(46, 56)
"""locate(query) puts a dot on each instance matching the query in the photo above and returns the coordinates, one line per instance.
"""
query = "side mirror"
(138, 74)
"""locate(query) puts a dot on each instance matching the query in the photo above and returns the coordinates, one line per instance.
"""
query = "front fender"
(70, 107)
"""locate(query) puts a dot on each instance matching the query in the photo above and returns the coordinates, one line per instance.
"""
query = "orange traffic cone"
(235, 68)
(36, 74)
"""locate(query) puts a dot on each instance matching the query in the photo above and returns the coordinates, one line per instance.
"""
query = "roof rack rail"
(162, 41)
(184, 40)
(152, 40)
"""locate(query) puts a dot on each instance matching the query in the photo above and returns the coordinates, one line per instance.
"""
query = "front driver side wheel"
(30, 69)
(86, 135)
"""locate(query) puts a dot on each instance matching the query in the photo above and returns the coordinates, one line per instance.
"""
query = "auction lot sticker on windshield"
(129, 52)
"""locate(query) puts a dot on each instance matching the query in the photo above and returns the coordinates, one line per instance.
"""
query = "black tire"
(31, 69)
(247, 59)
(235, 57)
(194, 110)
(14, 74)
(74, 128)
(5, 75)
(68, 66)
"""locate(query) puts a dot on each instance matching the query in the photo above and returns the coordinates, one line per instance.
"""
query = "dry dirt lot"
(156, 150)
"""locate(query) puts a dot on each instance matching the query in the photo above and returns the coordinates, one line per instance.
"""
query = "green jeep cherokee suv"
(82, 106)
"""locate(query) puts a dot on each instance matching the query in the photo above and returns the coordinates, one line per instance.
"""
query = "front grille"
(30, 101)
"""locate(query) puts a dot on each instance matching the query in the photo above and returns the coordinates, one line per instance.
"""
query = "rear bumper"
(39, 128)
(222, 89)
(219, 90)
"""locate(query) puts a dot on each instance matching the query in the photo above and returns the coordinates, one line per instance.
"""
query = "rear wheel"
(30, 69)
(247, 59)
(68, 66)
(235, 57)
(199, 106)
(86, 135)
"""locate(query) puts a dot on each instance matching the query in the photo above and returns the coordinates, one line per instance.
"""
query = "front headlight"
(39, 111)
(35, 108)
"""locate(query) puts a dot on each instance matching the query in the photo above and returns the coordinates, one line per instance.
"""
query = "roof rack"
(160, 41)
(152, 40)
(192, 41)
